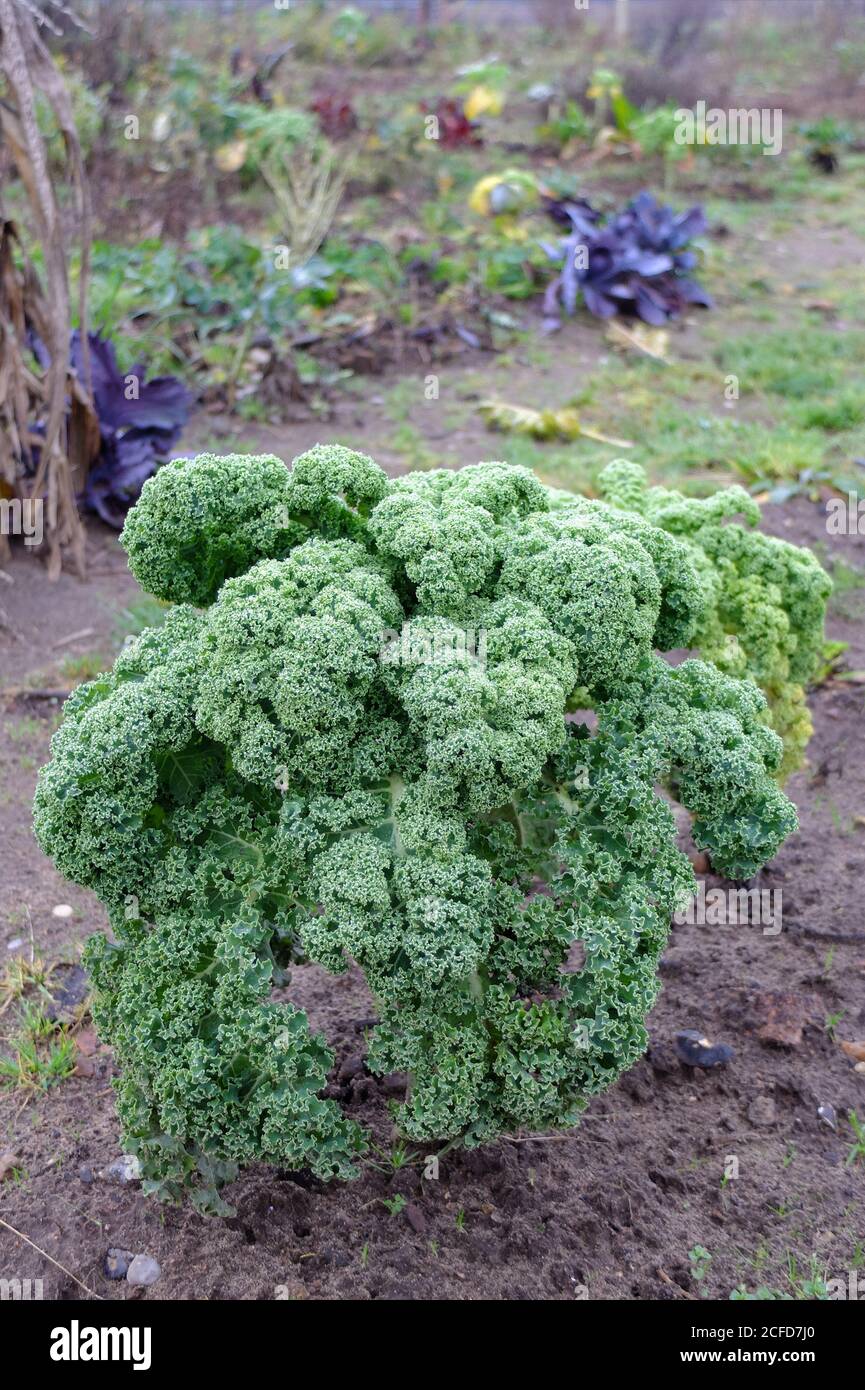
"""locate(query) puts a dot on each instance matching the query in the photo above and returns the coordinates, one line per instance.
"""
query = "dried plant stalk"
(28, 68)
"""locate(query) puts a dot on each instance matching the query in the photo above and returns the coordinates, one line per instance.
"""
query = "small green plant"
(85, 667)
(812, 1285)
(42, 1052)
(856, 1153)
(700, 1260)
(567, 127)
(825, 138)
(20, 976)
(762, 1294)
(395, 1204)
(139, 615)
(808, 1286)
(394, 1159)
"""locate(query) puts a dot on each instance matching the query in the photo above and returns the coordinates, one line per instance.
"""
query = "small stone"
(70, 986)
(695, 1050)
(143, 1271)
(85, 1174)
(294, 1291)
(61, 910)
(762, 1112)
(123, 1170)
(86, 1042)
(827, 1115)
(415, 1218)
(116, 1263)
(15, 943)
(8, 1163)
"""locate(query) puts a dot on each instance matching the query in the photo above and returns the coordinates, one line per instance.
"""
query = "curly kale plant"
(765, 600)
(356, 737)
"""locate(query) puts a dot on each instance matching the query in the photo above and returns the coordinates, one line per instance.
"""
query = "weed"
(700, 1259)
(42, 1053)
(856, 1153)
(395, 1204)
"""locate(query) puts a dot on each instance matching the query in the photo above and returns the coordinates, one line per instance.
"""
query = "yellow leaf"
(479, 198)
(654, 342)
(542, 424)
(519, 188)
(230, 157)
(482, 101)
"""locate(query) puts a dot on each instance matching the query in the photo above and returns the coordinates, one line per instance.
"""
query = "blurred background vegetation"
(273, 224)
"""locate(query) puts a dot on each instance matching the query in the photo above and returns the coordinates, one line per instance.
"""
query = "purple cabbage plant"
(637, 262)
(139, 423)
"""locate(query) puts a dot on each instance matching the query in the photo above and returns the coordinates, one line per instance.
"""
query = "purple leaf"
(695, 294)
(467, 335)
(650, 306)
(597, 303)
(125, 398)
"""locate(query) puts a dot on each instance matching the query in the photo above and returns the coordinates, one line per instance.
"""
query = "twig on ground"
(56, 1263)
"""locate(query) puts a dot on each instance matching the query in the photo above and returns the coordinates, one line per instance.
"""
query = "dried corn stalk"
(66, 441)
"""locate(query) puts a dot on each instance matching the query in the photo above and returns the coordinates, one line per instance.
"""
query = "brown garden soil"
(614, 1207)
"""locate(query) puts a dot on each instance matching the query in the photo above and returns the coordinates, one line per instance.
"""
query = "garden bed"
(613, 1210)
